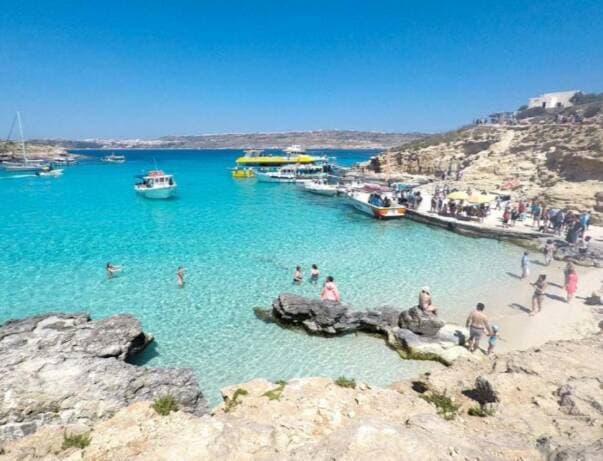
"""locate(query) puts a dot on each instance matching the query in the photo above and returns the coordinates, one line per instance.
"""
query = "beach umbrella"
(458, 195)
(481, 198)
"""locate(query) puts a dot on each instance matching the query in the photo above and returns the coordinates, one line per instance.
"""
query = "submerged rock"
(65, 368)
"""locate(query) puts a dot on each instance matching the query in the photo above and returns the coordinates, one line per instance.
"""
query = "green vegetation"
(533, 112)
(232, 403)
(407, 354)
(446, 407)
(480, 411)
(342, 381)
(76, 440)
(586, 98)
(165, 405)
(592, 110)
(275, 394)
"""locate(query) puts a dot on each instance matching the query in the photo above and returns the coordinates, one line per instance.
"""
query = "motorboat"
(49, 171)
(292, 173)
(295, 149)
(26, 166)
(112, 158)
(241, 172)
(63, 160)
(320, 187)
(378, 203)
(156, 185)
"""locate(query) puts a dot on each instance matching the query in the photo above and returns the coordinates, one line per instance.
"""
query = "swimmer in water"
(180, 276)
(297, 276)
(314, 274)
(112, 270)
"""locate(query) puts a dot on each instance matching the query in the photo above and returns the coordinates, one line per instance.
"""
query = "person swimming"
(180, 276)
(112, 270)
(314, 274)
(297, 275)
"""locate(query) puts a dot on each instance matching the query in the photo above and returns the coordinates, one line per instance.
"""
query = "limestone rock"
(64, 368)
(420, 322)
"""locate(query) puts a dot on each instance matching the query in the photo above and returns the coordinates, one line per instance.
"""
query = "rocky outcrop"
(561, 163)
(413, 333)
(548, 407)
(61, 368)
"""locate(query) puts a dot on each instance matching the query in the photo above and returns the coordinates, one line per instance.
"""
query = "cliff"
(562, 163)
(540, 404)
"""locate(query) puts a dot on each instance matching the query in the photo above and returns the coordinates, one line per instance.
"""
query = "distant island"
(320, 139)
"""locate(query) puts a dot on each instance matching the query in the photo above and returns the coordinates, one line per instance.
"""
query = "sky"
(144, 69)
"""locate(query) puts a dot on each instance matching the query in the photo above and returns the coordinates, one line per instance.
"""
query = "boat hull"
(394, 212)
(327, 191)
(266, 177)
(156, 192)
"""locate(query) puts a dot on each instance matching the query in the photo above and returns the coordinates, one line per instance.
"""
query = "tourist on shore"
(180, 276)
(492, 339)
(571, 283)
(538, 296)
(478, 324)
(536, 213)
(549, 252)
(112, 270)
(297, 275)
(525, 265)
(425, 302)
(515, 215)
(329, 290)
(585, 220)
(314, 274)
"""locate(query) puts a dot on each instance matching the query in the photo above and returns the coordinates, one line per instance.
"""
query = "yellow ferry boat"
(293, 155)
(242, 172)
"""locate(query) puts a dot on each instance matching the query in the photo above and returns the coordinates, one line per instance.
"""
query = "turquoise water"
(240, 241)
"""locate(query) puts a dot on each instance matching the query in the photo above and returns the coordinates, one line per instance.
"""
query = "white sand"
(557, 320)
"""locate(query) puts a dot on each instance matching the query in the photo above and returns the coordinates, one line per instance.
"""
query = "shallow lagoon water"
(240, 241)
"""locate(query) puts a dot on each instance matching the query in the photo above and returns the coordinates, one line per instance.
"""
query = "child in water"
(314, 274)
(492, 339)
(297, 275)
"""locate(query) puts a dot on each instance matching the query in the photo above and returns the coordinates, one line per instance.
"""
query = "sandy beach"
(510, 310)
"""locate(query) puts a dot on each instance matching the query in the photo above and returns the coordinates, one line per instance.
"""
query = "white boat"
(156, 184)
(292, 173)
(61, 160)
(25, 165)
(378, 204)
(49, 171)
(112, 158)
(320, 187)
(295, 149)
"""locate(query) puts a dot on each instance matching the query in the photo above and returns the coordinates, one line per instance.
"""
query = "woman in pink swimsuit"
(571, 283)
(329, 291)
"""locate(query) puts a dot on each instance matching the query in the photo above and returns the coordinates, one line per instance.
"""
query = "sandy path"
(509, 310)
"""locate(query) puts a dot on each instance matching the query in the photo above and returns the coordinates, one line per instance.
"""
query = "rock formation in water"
(541, 404)
(412, 332)
(59, 369)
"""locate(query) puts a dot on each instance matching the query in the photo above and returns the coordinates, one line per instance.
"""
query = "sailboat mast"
(21, 134)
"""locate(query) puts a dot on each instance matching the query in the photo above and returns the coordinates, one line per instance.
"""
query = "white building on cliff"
(552, 100)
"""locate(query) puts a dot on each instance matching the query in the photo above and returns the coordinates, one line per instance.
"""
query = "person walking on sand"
(538, 296)
(492, 339)
(314, 274)
(477, 322)
(549, 252)
(297, 275)
(571, 283)
(329, 290)
(180, 276)
(525, 265)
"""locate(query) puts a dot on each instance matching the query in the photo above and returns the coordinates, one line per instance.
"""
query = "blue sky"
(85, 69)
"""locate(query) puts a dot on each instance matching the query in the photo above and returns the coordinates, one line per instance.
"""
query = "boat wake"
(18, 176)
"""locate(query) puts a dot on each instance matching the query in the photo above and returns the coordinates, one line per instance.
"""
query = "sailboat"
(24, 165)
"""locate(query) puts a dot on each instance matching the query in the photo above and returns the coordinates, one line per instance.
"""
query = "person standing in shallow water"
(538, 296)
(525, 265)
(180, 276)
(329, 290)
(297, 275)
(477, 322)
(314, 274)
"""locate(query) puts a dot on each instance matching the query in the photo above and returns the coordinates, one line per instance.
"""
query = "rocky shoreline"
(59, 369)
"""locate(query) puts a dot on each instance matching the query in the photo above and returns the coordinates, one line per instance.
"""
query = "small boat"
(112, 158)
(295, 149)
(378, 204)
(156, 184)
(49, 171)
(240, 173)
(320, 187)
(26, 166)
(292, 173)
(61, 160)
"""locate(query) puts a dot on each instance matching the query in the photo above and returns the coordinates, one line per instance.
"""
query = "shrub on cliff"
(165, 405)
(76, 440)
(342, 381)
(446, 407)
(592, 110)
(532, 112)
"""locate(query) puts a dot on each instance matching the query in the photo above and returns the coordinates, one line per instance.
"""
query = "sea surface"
(239, 241)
